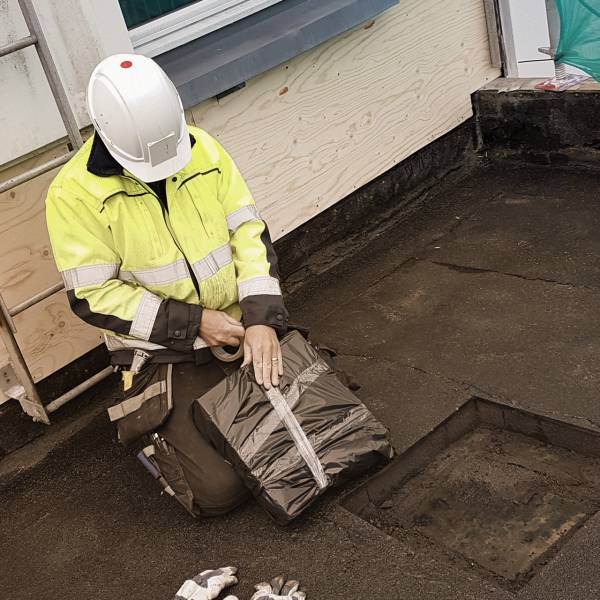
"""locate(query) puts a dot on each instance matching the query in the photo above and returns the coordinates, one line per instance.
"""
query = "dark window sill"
(226, 58)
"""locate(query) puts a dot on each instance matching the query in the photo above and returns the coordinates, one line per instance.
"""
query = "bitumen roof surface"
(492, 289)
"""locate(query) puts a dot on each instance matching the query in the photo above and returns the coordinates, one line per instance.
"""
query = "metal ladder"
(25, 390)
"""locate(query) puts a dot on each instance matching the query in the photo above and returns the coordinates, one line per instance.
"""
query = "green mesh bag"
(579, 44)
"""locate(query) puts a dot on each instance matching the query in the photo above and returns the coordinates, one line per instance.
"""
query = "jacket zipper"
(168, 226)
(187, 262)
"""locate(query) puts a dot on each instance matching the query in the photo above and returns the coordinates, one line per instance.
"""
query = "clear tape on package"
(305, 449)
(256, 440)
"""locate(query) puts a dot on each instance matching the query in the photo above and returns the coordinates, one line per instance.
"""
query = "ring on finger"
(275, 359)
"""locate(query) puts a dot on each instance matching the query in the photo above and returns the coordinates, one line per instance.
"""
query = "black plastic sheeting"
(244, 422)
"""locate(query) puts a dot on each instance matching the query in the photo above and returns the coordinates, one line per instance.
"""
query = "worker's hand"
(219, 329)
(208, 585)
(262, 350)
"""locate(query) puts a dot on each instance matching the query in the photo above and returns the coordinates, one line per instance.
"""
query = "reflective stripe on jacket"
(141, 272)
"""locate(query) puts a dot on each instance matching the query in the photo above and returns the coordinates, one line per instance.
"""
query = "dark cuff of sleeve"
(264, 309)
(177, 325)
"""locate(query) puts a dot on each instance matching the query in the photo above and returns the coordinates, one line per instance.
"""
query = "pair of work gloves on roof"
(209, 584)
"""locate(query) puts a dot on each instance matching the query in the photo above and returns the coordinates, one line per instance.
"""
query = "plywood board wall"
(305, 134)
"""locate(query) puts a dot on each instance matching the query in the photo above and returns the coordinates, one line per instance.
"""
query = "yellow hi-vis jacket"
(142, 268)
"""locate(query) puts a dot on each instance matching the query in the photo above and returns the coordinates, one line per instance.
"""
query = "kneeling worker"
(160, 245)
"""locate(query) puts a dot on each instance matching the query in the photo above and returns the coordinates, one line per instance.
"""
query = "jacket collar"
(101, 161)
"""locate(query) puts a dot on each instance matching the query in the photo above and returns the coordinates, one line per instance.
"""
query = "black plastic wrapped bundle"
(290, 444)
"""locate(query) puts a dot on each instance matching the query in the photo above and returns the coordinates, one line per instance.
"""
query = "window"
(157, 26)
(137, 12)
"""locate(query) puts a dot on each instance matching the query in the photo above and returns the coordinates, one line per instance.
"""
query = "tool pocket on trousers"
(147, 404)
(170, 468)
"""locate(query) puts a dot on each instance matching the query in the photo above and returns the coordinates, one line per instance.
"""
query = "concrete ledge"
(541, 127)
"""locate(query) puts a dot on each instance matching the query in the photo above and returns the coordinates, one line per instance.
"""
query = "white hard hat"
(137, 112)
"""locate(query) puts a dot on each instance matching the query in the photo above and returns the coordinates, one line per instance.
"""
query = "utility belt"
(200, 357)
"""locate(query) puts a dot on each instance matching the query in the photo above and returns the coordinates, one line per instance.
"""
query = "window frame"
(191, 22)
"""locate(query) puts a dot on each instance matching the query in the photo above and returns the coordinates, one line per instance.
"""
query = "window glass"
(137, 12)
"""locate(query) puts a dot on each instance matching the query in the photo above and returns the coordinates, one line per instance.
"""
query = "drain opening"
(492, 487)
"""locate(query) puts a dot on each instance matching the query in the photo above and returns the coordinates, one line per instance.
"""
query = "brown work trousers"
(203, 481)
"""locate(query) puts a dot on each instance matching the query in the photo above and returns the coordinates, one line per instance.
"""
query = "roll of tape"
(221, 354)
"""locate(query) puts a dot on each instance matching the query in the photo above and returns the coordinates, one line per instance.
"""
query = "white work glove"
(278, 589)
(208, 585)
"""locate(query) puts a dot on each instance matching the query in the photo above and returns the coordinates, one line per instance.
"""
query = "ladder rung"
(32, 173)
(82, 387)
(25, 42)
(19, 308)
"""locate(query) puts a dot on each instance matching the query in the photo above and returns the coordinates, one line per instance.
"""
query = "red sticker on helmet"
(126, 64)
